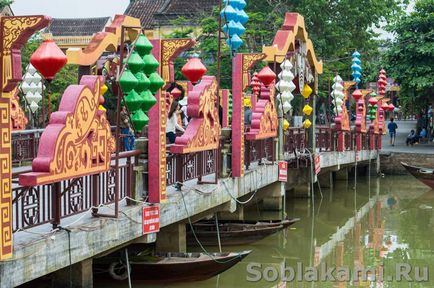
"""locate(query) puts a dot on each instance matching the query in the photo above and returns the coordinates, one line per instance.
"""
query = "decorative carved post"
(14, 32)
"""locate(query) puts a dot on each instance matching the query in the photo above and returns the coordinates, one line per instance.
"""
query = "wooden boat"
(425, 175)
(235, 232)
(174, 267)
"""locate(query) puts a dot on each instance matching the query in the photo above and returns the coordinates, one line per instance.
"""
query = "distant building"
(157, 16)
(75, 32)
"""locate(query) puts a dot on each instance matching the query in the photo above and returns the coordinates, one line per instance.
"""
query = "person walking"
(172, 122)
(126, 130)
(392, 131)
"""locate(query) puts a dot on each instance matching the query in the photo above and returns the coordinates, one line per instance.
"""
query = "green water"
(382, 223)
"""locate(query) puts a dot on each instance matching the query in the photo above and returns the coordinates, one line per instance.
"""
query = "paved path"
(404, 128)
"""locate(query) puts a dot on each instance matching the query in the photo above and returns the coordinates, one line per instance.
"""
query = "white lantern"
(286, 107)
(39, 87)
(25, 87)
(37, 78)
(33, 87)
(28, 78)
(31, 69)
(37, 97)
(286, 75)
(287, 96)
(292, 86)
(286, 65)
(283, 86)
(34, 107)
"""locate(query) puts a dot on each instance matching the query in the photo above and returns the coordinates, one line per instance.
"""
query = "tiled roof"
(161, 12)
(77, 26)
(188, 9)
(145, 10)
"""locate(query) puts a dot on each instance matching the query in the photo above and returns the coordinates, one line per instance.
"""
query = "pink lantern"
(176, 93)
(372, 101)
(391, 107)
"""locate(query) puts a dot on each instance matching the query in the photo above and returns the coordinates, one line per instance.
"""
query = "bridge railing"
(326, 139)
(294, 140)
(37, 205)
(258, 151)
(25, 145)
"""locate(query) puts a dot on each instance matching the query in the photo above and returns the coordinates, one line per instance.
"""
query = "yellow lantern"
(306, 91)
(102, 108)
(307, 109)
(307, 123)
(285, 124)
(103, 89)
(247, 102)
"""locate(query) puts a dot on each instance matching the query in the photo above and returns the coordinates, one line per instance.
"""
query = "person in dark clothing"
(412, 138)
(392, 131)
(126, 130)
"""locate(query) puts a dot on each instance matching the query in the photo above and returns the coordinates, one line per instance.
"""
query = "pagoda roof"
(77, 26)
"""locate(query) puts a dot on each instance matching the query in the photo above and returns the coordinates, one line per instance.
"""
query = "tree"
(4, 3)
(410, 58)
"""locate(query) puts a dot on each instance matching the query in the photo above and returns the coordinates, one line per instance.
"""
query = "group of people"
(412, 137)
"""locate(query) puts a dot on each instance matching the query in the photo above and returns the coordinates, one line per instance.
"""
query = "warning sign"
(317, 164)
(151, 219)
(283, 171)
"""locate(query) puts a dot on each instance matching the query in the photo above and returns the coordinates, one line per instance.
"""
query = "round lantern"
(193, 70)
(48, 59)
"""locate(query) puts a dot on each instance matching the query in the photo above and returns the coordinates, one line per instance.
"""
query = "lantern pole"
(219, 52)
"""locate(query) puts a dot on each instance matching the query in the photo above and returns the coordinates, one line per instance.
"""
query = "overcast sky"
(70, 9)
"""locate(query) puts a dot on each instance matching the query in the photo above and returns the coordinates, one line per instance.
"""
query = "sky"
(70, 9)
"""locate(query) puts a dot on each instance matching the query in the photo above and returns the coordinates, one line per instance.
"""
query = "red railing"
(33, 206)
(294, 140)
(325, 139)
(258, 150)
(184, 167)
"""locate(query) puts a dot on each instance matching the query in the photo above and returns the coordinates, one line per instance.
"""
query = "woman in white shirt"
(172, 122)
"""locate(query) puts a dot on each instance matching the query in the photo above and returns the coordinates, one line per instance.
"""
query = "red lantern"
(267, 76)
(48, 59)
(391, 107)
(357, 95)
(372, 101)
(176, 93)
(255, 84)
(385, 107)
(193, 70)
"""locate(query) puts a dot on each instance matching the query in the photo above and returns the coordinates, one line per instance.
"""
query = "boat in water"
(234, 232)
(173, 267)
(425, 175)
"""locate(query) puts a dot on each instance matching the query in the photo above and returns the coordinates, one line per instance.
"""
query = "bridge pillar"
(172, 238)
(273, 200)
(238, 214)
(80, 274)
(342, 174)
(326, 180)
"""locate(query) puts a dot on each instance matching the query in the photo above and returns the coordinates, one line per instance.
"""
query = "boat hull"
(424, 175)
(234, 233)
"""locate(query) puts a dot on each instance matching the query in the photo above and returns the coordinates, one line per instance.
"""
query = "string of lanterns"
(32, 88)
(140, 81)
(356, 68)
(286, 86)
(307, 109)
(235, 17)
(338, 94)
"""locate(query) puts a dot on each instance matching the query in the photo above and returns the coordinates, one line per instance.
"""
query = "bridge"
(75, 197)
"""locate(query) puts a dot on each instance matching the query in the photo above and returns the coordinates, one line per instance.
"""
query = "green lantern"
(156, 82)
(133, 100)
(143, 82)
(151, 64)
(139, 120)
(230, 105)
(143, 45)
(149, 100)
(135, 62)
(127, 81)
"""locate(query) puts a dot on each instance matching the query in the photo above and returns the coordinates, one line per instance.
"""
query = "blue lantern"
(234, 17)
(356, 67)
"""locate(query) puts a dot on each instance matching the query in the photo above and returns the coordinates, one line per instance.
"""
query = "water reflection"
(382, 223)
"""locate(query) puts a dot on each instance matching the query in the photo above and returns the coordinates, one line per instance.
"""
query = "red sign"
(151, 219)
(317, 164)
(283, 171)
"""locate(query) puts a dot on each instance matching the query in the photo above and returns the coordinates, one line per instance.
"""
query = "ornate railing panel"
(294, 140)
(37, 205)
(258, 150)
(25, 145)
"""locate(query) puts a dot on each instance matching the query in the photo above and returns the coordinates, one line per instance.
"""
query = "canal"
(384, 222)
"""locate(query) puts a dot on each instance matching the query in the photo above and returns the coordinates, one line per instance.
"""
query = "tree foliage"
(410, 58)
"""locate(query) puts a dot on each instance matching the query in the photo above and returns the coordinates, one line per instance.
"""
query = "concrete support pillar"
(342, 175)
(80, 274)
(172, 238)
(273, 195)
(302, 190)
(326, 180)
(238, 214)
